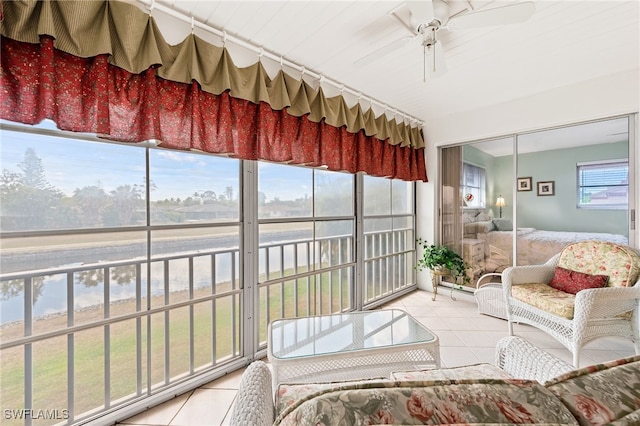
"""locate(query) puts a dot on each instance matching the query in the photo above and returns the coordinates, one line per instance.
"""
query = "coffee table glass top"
(353, 331)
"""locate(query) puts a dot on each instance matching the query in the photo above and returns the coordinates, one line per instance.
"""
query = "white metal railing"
(168, 310)
(223, 301)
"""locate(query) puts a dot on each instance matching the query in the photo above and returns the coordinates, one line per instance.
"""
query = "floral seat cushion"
(478, 402)
(288, 394)
(607, 393)
(620, 263)
(545, 297)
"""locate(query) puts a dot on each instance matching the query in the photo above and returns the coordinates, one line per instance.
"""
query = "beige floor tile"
(433, 323)
(485, 355)
(455, 323)
(205, 407)
(421, 311)
(540, 339)
(462, 311)
(417, 299)
(394, 305)
(449, 338)
(480, 339)
(457, 356)
(161, 414)
(227, 418)
(599, 356)
(486, 323)
(610, 343)
(229, 381)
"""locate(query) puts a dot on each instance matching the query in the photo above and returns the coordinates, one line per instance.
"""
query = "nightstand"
(473, 254)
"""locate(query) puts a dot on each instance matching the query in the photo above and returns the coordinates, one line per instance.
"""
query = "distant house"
(272, 210)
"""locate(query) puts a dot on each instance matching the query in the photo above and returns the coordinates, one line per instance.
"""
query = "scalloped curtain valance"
(104, 67)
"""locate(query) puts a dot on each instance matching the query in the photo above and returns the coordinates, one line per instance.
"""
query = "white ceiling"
(600, 132)
(565, 42)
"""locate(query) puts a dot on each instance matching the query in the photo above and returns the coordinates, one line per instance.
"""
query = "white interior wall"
(609, 96)
(426, 212)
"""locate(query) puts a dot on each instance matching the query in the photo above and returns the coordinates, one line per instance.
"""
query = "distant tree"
(33, 171)
(11, 197)
(124, 202)
(191, 201)
(91, 202)
(10, 182)
(208, 197)
(27, 200)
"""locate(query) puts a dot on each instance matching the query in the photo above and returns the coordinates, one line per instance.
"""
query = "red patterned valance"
(38, 81)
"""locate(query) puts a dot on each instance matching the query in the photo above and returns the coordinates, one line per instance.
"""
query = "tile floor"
(465, 338)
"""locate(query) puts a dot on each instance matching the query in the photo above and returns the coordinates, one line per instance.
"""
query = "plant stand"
(436, 277)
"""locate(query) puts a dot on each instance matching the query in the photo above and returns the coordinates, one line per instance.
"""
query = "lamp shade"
(500, 201)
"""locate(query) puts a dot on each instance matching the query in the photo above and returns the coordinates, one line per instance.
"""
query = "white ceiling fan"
(428, 17)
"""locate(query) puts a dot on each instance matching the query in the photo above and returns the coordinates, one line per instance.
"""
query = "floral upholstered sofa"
(526, 386)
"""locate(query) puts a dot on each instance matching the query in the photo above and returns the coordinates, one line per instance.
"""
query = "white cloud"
(181, 157)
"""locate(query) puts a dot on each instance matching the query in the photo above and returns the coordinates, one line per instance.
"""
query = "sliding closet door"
(521, 199)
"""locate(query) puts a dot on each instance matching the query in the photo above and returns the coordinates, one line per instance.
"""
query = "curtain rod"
(260, 51)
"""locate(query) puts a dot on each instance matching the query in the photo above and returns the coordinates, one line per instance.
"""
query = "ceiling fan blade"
(422, 12)
(382, 51)
(405, 17)
(434, 61)
(510, 14)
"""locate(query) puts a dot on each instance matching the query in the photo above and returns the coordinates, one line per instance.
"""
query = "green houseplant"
(436, 257)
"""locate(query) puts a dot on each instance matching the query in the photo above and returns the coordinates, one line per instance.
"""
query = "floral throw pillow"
(573, 281)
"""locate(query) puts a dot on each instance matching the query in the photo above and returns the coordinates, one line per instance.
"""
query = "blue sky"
(70, 164)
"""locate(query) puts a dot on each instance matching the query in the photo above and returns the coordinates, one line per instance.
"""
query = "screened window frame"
(245, 345)
(603, 164)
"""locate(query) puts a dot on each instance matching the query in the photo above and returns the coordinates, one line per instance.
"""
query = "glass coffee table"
(349, 346)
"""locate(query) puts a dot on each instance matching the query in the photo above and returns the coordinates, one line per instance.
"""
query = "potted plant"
(439, 258)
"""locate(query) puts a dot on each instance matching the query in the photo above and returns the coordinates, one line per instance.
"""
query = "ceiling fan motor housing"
(428, 32)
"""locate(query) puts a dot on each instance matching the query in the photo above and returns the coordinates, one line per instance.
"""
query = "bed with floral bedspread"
(535, 246)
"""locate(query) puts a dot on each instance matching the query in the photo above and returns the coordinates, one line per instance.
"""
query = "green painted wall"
(559, 212)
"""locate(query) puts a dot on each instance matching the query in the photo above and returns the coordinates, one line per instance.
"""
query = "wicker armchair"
(597, 312)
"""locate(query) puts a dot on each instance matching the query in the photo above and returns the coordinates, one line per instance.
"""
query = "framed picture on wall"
(546, 188)
(524, 184)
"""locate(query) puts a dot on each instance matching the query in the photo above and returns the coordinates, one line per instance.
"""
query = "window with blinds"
(603, 184)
